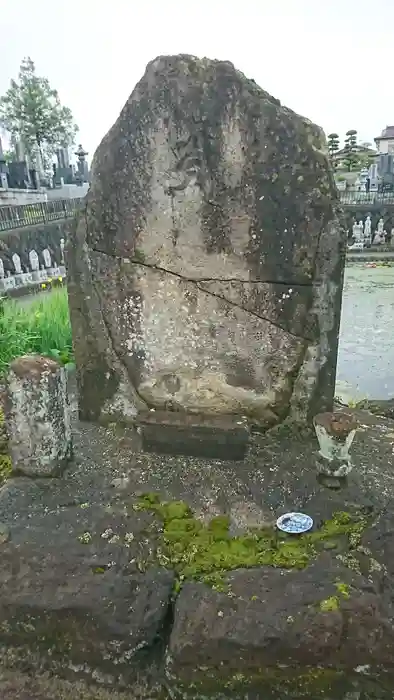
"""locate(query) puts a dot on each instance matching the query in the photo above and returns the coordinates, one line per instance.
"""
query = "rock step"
(214, 437)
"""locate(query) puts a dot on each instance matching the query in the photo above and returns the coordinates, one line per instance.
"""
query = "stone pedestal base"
(214, 437)
(38, 416)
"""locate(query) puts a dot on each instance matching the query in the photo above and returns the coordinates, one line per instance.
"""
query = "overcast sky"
(330, 61)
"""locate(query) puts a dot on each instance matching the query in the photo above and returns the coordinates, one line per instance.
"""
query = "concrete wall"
(68, 192)
(13, 197)
(386, 146)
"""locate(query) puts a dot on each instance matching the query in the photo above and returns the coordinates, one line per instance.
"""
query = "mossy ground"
(208, 551)
(334, 602)
(271, 683)
(5, 468)
(5, 460)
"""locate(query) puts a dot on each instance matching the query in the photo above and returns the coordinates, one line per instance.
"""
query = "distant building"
(385, 142)
(385, 160)
(361, 149)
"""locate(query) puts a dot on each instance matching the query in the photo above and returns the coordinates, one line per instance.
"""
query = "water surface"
(366, 344)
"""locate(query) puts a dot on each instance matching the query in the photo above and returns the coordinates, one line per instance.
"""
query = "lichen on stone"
(206, 552)
(312, 681)
(343, 589)
(333, 602)
(329, 604)
(5, 468)
(5, 459)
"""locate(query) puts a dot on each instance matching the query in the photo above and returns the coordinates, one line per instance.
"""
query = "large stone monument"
(206, 270)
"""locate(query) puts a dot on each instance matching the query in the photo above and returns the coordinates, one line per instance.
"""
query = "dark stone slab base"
(213, 437)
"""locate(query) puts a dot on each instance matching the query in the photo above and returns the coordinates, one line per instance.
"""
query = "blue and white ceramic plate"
(294, 523)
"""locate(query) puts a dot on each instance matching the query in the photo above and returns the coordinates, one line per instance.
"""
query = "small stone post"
(38, 416)
(335, 433)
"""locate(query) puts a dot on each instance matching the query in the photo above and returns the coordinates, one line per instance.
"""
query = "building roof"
(387, 133)
(359, 148)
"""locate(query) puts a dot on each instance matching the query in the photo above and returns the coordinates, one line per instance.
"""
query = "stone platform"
(97, 587)
(170, 432)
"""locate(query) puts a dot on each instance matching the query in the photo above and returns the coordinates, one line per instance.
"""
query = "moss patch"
(267, 682)
(334, 602)
(5, 468)
(329, 604)
(208, 552)
(5, 459)
(343, 589)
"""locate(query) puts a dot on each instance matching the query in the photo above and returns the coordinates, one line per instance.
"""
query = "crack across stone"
(198, 282)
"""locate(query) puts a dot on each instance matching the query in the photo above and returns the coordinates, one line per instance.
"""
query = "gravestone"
(17, 264)
(205, 275)
(19, 176)
(34, 261)
(47, 257)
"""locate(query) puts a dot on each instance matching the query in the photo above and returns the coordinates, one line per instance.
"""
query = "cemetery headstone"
(19, 176)
(17, 264)
(34, 261)
(379, 234)
(213, 240)
(47, 258)
(368, 230)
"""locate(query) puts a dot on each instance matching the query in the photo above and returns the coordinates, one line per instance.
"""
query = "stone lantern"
(82, 173)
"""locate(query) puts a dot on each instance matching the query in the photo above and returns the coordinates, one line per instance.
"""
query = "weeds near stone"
(42, 327)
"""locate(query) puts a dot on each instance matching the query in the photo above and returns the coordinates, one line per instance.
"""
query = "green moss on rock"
(334, 602)
(207, 551)
(5, 468)
(343, 589)
(5, 459)
(272, 682)
(329, 604)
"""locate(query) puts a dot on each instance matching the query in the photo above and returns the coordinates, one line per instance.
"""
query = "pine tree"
(351, 157)
(333, 147)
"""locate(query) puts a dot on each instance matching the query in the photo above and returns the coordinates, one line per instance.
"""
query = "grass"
(41, 327)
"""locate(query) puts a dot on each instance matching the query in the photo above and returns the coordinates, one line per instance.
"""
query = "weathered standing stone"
(206, 270)
(38, 416)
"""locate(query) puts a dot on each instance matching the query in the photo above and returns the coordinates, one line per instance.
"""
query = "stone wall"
(357, 212)
(50, 237)
(16, 197)
(39, 237)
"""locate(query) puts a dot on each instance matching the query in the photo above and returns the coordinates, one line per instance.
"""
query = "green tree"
(32, 113)
(333, 147)
(364, 160)
(8, 156)
(351, 156)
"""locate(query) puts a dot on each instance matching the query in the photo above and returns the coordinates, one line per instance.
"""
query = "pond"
(366, 342)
